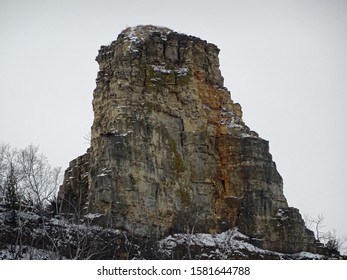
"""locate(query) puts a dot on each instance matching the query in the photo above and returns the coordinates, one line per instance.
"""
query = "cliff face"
(170, 151)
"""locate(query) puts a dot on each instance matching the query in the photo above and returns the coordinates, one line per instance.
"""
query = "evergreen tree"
(11, 193)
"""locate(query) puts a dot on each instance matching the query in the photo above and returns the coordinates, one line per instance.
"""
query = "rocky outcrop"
(74, 191)
(170, 151)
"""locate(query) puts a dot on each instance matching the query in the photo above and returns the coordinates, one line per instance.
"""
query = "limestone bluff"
(170, 151)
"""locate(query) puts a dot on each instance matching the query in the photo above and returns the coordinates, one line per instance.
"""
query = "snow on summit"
(140, 33)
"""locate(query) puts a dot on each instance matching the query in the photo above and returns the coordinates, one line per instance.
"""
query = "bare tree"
(334, 243)
(318, 224)
(88, 138)
(330, 239)
(39, 182)
(190, 218)
(3, 149)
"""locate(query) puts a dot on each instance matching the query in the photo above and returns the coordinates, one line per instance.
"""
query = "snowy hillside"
(45, 236)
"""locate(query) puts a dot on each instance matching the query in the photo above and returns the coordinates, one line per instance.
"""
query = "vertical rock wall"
(170, 151)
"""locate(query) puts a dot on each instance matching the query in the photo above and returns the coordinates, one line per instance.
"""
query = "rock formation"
(170, 151)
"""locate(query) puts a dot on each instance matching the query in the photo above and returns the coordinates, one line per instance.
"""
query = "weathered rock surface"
(170, 151)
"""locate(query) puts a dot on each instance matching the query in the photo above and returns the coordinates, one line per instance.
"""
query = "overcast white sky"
(285, 62)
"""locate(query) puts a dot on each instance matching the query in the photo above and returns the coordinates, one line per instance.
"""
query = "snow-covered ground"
(59, 238)
(27, 253)
(225, 245)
